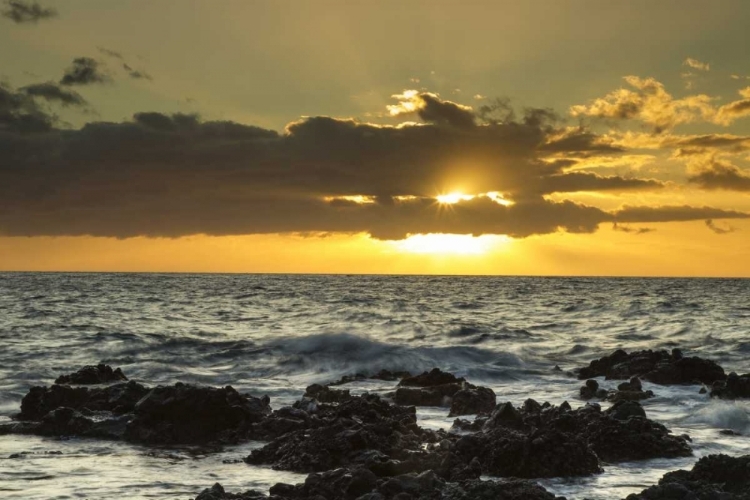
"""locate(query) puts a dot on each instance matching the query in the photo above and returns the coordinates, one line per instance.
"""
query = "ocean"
(276, 334)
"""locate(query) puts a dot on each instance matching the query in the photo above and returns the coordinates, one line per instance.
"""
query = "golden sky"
(534, 138)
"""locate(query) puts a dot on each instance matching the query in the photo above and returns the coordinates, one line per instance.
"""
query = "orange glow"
(455, 244)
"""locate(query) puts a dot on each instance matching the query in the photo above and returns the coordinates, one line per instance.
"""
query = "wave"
(723, 415)
(344, 353)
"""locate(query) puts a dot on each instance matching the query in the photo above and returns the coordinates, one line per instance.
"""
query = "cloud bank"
(176, 175)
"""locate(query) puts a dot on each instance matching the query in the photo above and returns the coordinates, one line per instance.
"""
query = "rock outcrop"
(659, 367)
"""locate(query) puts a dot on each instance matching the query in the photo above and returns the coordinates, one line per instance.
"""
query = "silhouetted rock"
(178, 414)
(216, 492)
(659, 367)
(715, 477)
(438, 388)
(386, 375)
(344, 434)
(472, 400)
(325, 394)
(90, 375)
(621, 433)
(588, 391)
(735, 386)
(360, 484)
(184, 413)
(117, 398)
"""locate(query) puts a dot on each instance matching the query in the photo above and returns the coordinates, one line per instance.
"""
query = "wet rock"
(119, 398)
(359, 484)
(91, 375)
(178, 414)
(438, 388)
(539, 453)
(616, 396)
(185, 413)
(325, 394)
(588, 391)
(621, 433)
(216, 492)
(715, 477)
(734, 387)
(433, 378)
(344, 434)
(472, 401)
(659, 367)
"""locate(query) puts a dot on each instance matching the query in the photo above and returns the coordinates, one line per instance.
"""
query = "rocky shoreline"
(370, 447)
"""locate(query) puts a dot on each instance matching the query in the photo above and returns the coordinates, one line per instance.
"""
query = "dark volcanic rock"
(185, 413)
(715, 477)
(540, 453)
(659, 367)
(735, 386)
(90, 375)
(386, 375)
(216, 492)
(361, 484)
(118, 398)
(472, 401)
(325, 394)
(178, 414)
(438, 388)
(621, 433)
(347, 433)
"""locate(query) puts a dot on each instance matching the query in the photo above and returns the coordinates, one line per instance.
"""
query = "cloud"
(136, 74)
(632, 230)
(674, 214)
(110, 53)
(84, 71)
(714, 173)
(728, 113)
(175, 175)
(430, 108)
(52, 92)
(696, 64)
(20, 114)
(21, 12)
(718, 229)
(649, 103)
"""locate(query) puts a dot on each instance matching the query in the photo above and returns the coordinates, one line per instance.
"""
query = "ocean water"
(276, 334)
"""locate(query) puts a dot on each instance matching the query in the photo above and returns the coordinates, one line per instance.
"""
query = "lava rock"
(184, 413)
(91, 375)
(119, 398)
(659, 367)
(216, 492)
(734, 387)
(473, 401)
(325, 394)
(717, 477)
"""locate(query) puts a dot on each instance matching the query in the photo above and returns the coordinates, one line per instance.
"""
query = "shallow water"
(276, 334)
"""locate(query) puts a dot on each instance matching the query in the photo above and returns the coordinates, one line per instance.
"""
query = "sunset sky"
(533, 137)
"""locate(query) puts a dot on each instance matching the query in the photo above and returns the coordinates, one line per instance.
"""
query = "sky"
(569, 137)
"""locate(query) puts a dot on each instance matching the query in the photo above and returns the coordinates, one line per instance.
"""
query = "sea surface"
(276, 334)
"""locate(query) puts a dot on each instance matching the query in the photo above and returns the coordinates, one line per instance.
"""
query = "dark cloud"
(20, 114)
(719, 174)
(632, 230)
(138, 75)
(437, 111)
(718, 229)
(20, 11)
(52, 92)
(109, 52)
(84, 71)
(681, 213)
(160, 175)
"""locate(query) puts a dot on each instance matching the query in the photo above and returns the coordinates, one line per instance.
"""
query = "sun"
(452, 198)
